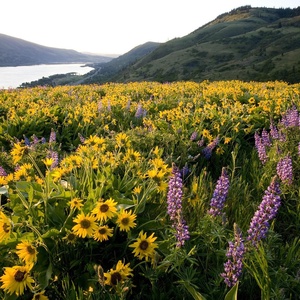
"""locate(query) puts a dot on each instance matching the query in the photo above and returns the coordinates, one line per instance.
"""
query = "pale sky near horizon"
(113, 26)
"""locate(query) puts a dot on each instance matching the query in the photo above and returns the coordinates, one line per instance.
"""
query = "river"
(13, 77)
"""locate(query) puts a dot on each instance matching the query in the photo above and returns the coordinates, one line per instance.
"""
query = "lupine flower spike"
(261, 148)
(175, 207)
(220, 194)
(285, 170)
(207, 151)
(235, 253)
(266, 212)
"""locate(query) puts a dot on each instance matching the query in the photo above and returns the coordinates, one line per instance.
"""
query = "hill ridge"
(18, 52)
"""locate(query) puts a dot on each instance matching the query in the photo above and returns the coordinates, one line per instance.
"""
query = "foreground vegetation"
(146, 190)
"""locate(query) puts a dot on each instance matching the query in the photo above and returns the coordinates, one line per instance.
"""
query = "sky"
(113, 26)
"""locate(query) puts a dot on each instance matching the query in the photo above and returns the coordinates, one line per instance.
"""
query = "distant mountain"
(246, 43)
(18, 52)
(106, 71)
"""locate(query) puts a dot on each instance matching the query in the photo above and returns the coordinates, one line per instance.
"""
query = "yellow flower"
(95, 142)
(56, 174)
(227, 140)
(126, 220)
(27, 252)
(48, 161)
(76, 203)
(137, 190)
(122, 140)
(40, 296)
(85, 226)
(22, 172)
(16, 279)
(38, 180)
(162, 187)
(5, 227)
(102, 233)
(157, 151)
(17, 152)
(132, 155)
(119, 274)
(105, 210)
(152, 173)
(144, 247)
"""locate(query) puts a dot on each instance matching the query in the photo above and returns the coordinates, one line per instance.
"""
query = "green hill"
(18, 52)
(105, 71)
(246, 43)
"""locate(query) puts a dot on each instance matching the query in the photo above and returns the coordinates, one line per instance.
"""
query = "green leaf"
(195, 294)
(232, 294)
(11, 297)
(45, 276)
(50, 233)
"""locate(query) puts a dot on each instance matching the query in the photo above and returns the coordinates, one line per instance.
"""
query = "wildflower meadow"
(146, 190)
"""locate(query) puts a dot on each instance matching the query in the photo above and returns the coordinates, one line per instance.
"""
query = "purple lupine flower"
(235, 253)
(220, 194)
(266, 211)
(274, 131)
(185, 171)
(52, 137)
(261, 148)
(35, 140)
(284, 169)
(2, 172)
(207, 151)
(26, 140)
(291, 117)
(182, 232)
(174, 198)
(54, 156)
(43, 140)
(265, 138)
(194, 136)
(139, 111)
(200, 143)
(174, 201)
(81, 137)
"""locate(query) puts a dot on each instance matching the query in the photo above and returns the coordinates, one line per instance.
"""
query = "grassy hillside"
(104, 71)
(246, 43)
(17, 52)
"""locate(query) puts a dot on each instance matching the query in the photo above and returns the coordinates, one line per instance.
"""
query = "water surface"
(13, 77)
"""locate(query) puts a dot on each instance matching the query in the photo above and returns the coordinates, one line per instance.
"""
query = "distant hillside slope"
(106, 71)
(17, 52)
(246, 43)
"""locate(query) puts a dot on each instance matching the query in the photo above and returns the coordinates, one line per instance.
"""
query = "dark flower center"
(125, 221)
(102, 231)
(144, 245)
(30, 250)
(19, 276)
(104, 208)
(71, 236)
(85, 224)
(115, 278)
(6, 228)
